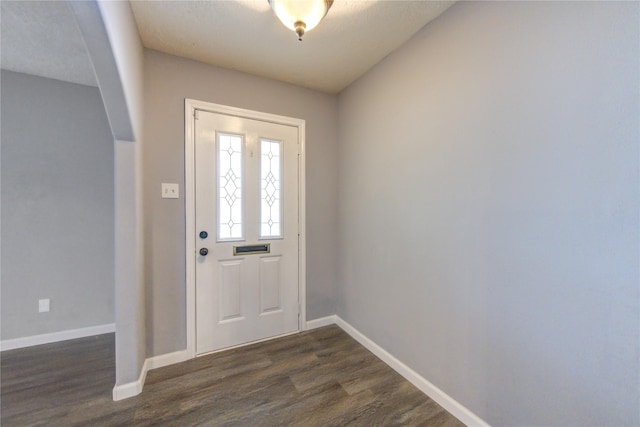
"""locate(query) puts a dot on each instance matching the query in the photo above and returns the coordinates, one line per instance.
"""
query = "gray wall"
(57, 206)
(488, 206)
(168, 81)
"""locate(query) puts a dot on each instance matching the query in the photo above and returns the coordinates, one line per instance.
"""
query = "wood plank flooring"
(316, 378)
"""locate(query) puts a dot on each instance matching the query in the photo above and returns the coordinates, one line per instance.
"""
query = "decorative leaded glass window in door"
(230, 152)
(270, 189)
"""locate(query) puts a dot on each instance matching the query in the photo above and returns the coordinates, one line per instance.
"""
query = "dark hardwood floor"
(316, 378)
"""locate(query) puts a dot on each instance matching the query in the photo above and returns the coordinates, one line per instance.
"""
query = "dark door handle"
(204, 251)
(204, 234)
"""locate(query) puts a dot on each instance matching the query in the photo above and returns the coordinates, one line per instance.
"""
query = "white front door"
(246, 197)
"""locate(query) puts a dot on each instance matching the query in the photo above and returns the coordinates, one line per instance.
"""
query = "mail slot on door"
(252, 249)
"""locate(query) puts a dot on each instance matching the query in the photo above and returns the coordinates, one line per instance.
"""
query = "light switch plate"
(43, 305)
(170, 191)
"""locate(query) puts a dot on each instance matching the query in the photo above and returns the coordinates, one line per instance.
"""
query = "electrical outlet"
(170, 191)
(43, 305)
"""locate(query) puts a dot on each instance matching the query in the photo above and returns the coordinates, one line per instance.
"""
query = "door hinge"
(196, 114)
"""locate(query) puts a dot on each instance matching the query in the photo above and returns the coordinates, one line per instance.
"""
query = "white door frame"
(190, 107)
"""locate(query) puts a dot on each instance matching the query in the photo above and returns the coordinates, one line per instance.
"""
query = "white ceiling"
(245, 35)
(42, 38)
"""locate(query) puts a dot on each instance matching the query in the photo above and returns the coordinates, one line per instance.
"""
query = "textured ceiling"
(43, 39)
(244, 35)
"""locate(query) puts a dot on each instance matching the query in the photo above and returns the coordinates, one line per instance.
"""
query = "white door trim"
(190, 107)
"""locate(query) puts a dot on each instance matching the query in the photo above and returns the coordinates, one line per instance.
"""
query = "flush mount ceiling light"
(300, 15)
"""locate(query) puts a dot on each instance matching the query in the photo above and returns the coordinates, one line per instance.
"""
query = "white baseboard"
(70, 334)
(124, 391)
(323, 321)
(167, 359)
(439, 396)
